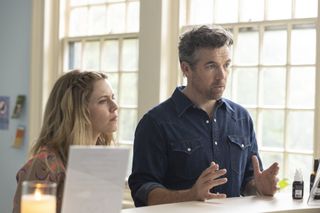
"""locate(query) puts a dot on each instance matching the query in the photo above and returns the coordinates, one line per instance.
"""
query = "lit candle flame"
(37, 194)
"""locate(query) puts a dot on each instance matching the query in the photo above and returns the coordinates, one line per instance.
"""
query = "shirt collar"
(182, 102)
(227, 104)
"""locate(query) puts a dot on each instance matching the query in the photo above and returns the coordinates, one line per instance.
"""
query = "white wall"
(15, 31)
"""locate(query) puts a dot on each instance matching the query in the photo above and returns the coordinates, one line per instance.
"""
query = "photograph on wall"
(4, 112)
(18, 106)
(18, 140)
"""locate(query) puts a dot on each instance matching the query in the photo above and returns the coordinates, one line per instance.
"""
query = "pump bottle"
(297, 185)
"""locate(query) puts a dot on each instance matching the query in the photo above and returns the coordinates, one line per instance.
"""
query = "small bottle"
(314, 173)
(297, 185)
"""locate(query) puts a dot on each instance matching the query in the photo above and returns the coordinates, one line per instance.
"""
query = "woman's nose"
(115, 106)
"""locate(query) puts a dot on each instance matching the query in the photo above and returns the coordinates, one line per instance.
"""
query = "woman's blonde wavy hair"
(66, 119)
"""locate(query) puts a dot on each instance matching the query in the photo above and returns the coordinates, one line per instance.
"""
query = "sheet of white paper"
(95, 179)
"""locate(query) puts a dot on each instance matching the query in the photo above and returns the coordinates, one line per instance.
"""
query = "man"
(197, 145)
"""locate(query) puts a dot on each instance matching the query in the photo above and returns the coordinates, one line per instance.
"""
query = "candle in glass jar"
(38, 203)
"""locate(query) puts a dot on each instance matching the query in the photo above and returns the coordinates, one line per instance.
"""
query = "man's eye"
(211, 66)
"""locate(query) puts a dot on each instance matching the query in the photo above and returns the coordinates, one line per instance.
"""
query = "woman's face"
(103, 108)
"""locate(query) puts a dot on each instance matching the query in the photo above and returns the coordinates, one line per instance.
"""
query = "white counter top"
(281, 202)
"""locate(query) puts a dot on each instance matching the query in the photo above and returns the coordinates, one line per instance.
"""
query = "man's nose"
(221, 72)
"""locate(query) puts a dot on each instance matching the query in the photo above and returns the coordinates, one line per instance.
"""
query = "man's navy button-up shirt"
(175, 141)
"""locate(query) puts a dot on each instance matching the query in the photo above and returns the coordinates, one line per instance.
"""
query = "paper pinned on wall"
(19, 106)
(4, 112)
(18, 141)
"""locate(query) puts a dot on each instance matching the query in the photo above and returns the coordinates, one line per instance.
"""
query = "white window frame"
(157, 55)
(45, 63)
(157, 59)
(315, 21)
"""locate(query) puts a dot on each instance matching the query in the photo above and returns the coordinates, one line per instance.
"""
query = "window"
(102, 35)
(273, 73)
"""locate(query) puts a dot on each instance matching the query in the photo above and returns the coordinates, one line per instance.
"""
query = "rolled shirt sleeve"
(149, 161)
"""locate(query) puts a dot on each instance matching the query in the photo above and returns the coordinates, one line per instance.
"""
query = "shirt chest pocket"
(239, 146)
(186, 158)
(187, 147)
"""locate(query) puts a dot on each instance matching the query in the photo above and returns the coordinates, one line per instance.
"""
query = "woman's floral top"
(44, 166)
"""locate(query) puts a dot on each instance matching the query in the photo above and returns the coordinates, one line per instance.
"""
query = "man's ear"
(185, 68)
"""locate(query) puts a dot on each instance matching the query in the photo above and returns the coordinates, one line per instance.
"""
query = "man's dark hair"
(202, 37)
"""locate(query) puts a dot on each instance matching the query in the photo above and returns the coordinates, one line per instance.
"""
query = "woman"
(81, 110)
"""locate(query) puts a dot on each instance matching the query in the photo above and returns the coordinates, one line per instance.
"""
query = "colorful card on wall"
(18, 141)
(19, 106)
(4, 112)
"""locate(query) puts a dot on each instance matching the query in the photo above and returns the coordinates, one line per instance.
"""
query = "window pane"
(91, 56)
(303, 162)
(269, 158)
(248, 39)
(110, 1)
(128, 89)
(110, 55)
(128, 122)
(133, 17)
(302, 87)
(297, 139)
(251, 10)
(228, 90)
(129, 56)
(272, 128)
(78, 2)
(183, 12)
(74, 55)
(96, 1)
(273, 86)
(201, 12)
(78, 21)
(303, 48)
(274, 50)
(97, 20)
(226, 11)
(306, 8)
(114, 81)
(278, 9)
(116, 18)
(253, 114)
(245, 85)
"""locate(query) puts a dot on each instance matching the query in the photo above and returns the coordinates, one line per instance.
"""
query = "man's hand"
(265, 181)
(209, 178)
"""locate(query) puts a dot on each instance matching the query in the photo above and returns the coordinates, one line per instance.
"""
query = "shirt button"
(189, 149)
(215, 120)
(216, 143)
(207, 121)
